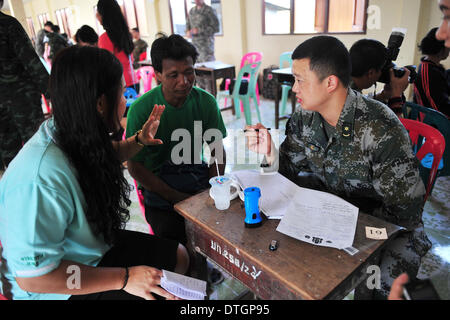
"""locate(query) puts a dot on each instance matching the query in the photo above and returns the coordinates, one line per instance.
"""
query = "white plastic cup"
(221, 191)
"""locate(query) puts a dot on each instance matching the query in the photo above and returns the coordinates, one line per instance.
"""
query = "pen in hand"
(257, 130)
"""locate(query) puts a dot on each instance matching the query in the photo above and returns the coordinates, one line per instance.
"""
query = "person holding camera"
(431, 89)
(369, 58)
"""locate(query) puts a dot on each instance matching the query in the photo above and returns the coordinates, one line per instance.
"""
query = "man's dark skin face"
(177, 79)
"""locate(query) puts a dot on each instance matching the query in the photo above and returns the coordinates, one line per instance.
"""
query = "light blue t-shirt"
(42, 216)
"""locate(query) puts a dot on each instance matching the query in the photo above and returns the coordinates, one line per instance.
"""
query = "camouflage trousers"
(20, 117)
(205, 48)
(402, 255)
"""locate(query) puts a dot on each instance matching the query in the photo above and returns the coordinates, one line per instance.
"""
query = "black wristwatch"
(136, 138)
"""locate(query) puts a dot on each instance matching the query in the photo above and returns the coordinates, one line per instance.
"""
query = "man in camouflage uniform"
(140, 46)
(352, 146)
(201, 26)
(22, 80)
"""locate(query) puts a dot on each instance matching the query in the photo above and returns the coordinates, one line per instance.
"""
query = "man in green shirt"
(175, 170)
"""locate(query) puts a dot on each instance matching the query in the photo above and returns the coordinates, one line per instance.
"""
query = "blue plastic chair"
(285, 57)
(438, 121)
(131, 96)
(252, 69)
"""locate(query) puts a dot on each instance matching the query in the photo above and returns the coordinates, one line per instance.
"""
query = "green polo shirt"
(182, 126)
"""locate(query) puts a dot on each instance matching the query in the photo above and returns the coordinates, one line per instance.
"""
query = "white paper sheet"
(321, 219)
(186, 288)
(276, 191)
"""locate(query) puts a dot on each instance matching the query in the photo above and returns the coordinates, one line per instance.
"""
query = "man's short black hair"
(367, 54)
(173, 47)
(328, 56)
(49, 24)
(136, 29)
(431, 45)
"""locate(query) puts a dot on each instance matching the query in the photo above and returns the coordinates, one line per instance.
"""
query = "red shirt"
(105, 43)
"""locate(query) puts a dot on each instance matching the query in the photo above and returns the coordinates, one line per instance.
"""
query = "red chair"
(434, 143)
(142, 206)
(248, 58)
(143, 56)
(47, 105)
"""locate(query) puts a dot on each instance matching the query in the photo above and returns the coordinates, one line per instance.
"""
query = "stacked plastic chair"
(250, 57)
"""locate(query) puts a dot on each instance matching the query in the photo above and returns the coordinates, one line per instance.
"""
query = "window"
(133, 11)
(179, 10)
(31, 27)
(98, 26)
(314, 16)
(43, 18)
(64, 20)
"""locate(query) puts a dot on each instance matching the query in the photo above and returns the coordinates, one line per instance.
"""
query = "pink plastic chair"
(434, 144)
(248, 58)
(147, 74)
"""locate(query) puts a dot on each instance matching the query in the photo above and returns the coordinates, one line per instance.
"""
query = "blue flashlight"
(252, 214)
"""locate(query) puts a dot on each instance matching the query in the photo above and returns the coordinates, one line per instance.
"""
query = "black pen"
(257, 130)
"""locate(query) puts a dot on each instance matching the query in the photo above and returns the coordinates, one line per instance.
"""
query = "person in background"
(86, 36)
(117, 38)
(368, 58)
(354, 147)
(443, 33)
(431, 87)
(55, 42)
(40, 45)
(140, 46)
(23, 79)
(72, 222)
(202, 24)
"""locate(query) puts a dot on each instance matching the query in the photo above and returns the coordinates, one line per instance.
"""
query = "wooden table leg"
(197, 266)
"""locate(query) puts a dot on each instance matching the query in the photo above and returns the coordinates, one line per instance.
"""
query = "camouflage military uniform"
(367, 160)
(140, 46)
(205, 20)
(23, 78)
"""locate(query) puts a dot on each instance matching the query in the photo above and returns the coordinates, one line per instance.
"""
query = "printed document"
(183, 287)
(320, 218)
(276, 191)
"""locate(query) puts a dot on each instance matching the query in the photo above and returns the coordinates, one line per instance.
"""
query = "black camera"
(393, 49)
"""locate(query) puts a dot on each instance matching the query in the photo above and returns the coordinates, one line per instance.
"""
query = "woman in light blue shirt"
(63, 199)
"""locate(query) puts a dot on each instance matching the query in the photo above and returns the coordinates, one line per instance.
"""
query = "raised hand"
(150, 128)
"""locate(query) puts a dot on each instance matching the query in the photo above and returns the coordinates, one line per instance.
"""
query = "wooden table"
(297, 270)
(215, 70)
(280, 76)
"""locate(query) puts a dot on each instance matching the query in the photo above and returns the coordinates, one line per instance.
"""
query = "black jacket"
(431, 88)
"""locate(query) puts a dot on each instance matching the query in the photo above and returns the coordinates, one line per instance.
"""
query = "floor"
(436, 216)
